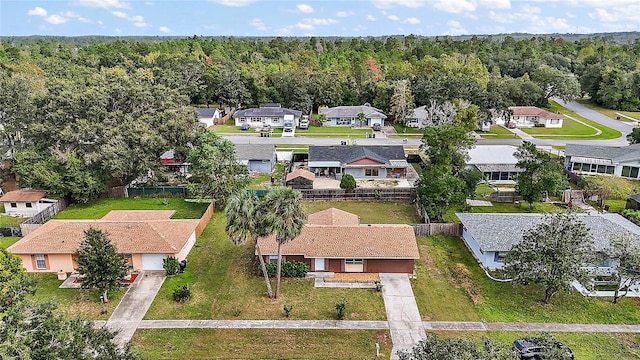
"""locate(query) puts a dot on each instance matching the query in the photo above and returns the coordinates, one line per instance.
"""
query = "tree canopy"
(540, 173)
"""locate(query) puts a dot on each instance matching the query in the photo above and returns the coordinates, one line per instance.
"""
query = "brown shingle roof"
(138, 215)
(534, 111)
(355, 241)
(129, 237)
(333, 216)
(23, 195)
(301, 173)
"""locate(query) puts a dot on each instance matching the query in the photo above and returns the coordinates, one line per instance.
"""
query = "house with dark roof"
(257, 157)
(273, 115)
(529, 116)
(603, 160)
(418, 118)
(334, 240)
(25, 202)
(496, 162)
(362, 162)
(348, 116)
(208, 116)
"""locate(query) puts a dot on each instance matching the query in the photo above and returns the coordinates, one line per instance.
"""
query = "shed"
(300, 179)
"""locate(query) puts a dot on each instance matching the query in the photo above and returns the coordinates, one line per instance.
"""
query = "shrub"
(182, 293)
(287, 310)
(340, 309)
(171, 265)
(236, 311)
(289, 269)
(347, 182)
(378, 285)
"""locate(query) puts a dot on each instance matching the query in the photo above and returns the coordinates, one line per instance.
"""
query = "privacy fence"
(437, 229)
(360, 194)
(40, 218)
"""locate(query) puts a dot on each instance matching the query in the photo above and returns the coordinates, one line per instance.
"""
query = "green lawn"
(407, 130)
(382, 212)
(497, 132)
(99, 208)
(446, 265)
(260, 344)
(333, 131)
(256, 181)
(11, 220)
(497, 207)
(5, 242)
(84, 303)
(569, 127)
(609, 112)
(616, 205)
(225, 285)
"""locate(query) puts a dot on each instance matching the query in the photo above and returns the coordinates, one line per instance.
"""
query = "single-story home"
(529, 116)
(146, 236)
(174, 166)
(267, 114)
(496, 162)
(334, 240)
(603, 160)
(25, 202)
(348, 116)
(208, 116)
(418, 118)
(257, 157)
(300, 179)
(491, 236)
(363, 162)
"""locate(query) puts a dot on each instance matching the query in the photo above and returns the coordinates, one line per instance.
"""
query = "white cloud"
(304, 8)
(455, 28)
(388, 4)
(319, 21)
(137, 20)
(120, 14)
(37, 11)
(140, 24)
(412, 20)
(371, 18)
(629, 14)
(117, 30)
(83, 19)
(258, 24)
(495, 4)
(393, 17)
(455, 6)
(107, 4)
(345, 13)
(100, 22)
(164, 29)
(235, 3)
(56, 19)
(303, 26)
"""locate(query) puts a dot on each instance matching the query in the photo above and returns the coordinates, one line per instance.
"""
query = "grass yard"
(256, 181)
(609, 112)
(447, 263)
(333, 131)
(569, 127)
(585, 346)
(5, 242)
(497, 207)
(11, 220)
(497, 132)
(382, 212)
(226, 286)
(296, 148)
(84, 303)
(260, 344)
(407, 130)
(99, 208)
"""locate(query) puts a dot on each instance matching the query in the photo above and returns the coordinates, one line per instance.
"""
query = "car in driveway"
(512, 125)
(541, 349)
(376, 127)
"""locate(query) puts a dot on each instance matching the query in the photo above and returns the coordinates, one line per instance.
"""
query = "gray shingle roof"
(499, 232)
(267, 111)
(615, 154)
(420, 113)
(348, 154)
(206, 112)
(255, 151)
(353, 111)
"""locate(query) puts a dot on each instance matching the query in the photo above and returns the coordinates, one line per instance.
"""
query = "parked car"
(304, 122)
(376, 127)
(511, 125)
(266, 127)
(245, 127)
(541, 349)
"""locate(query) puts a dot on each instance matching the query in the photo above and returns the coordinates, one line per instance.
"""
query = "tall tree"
(434, 347)
(15, 284)
(99, 263)
(625, 254)
(284, 217)
(553, 254)
(540, 173)
(244, 223)
(402, 103)
(556, 83)
(216, 172)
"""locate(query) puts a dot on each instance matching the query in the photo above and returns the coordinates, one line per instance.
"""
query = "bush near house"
(289, 269)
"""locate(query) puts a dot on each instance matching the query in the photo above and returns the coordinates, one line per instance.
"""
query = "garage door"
(152, 261)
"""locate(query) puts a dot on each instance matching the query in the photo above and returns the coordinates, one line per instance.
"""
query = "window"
(343, 121)
(499, 256)
(630, 171)
(371, 172)
(242, 119)
(626, 170)
(256, 119)
(14, 205)
(273, 259)
(504, 176)
(41, 263)
(353, 261)
(29, 205)
(555, 121)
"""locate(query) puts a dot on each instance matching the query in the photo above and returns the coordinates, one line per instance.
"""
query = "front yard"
(497, 132)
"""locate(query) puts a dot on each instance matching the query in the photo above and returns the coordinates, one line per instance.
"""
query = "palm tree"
(243, 212)
(362, 118)
(283, 217)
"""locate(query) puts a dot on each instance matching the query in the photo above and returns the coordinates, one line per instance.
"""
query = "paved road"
(593, 115)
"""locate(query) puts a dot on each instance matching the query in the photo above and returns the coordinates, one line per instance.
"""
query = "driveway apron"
(134, 304)
(405, 324)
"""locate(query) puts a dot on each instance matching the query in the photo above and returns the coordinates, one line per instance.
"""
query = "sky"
(314, 18)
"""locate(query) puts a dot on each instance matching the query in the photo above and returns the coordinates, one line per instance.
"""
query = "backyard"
(5, 242)
(96, 210)
(379, 212)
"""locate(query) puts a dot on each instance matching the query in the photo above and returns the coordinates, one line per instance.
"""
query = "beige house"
(147, 236)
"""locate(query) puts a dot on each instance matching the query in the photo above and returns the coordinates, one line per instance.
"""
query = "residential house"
(25, 202)
(257, 157)
(603, 160)
(173, 166)
(334, 240)
(146, 236)
(348, 116)
(491, 236)
(529, 116)
(633, 202)
(300, 179)
(208, 116)
(267, 114)
(363, 162)
(496, 162)
(418, 118)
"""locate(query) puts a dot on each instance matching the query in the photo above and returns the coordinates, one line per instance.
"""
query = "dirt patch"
(383, 338)
(353, 278)
(462, 278)
(427, 260)
(377, 183)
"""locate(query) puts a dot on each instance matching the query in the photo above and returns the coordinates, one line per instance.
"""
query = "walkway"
(405, 323)
(134, 304)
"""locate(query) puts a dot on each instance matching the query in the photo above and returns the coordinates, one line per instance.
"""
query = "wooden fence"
(437, 229)
(204, 220)
(360, 194)
(116, 192)
(505, 196)
(40, 218)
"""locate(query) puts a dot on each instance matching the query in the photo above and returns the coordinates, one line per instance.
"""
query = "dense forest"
(108, 109)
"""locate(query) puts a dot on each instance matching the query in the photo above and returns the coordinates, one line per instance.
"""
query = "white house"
(208, 116)
(529, 116)
(603, 160)
(267, 114)
(348, 116)
(418, 118)
(496, 162)
(25, 202)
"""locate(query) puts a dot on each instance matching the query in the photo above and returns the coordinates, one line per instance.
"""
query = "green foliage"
(347, 182)
(634, 136)
(471, 178)
(611, 187)
(553, 254)
(182, 293)
(624, 251)
(15, 284)
(171, 265)
(436, 348)
(289, 269)
(341, 308)
(540, 173)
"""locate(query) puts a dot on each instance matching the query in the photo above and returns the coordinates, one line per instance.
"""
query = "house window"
(555, 121)
(256, 119)
(40, 262)
(499, 256)
(28, 205)
(242, 119)
(371, 172)
(273, 259)
(343, 121)
(354, 261)
(14, 205)
(630, 171)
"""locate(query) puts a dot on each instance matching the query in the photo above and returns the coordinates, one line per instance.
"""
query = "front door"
(319, 264)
